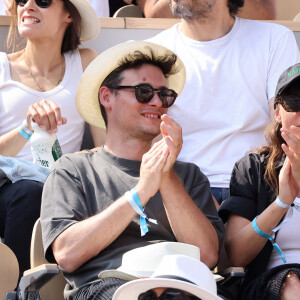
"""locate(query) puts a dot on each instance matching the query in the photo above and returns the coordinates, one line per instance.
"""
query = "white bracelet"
(134, 205)
(26, 129)
(281, 204)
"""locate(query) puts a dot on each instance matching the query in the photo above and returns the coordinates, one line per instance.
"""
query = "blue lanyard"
(270, 238)
(135, 202)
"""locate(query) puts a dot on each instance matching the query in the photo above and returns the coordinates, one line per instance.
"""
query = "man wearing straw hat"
(131, 192)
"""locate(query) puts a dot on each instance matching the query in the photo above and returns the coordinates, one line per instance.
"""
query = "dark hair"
(71, 38)
(234, 6)
(166, 63)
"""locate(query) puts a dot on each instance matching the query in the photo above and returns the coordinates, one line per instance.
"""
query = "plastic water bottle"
(45, 147)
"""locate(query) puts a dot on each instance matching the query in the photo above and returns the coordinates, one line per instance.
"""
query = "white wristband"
(134, 205)
(282, 204)
(25, 128)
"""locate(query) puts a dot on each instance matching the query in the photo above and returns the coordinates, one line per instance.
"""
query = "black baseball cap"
(289, 99)
(286, 79)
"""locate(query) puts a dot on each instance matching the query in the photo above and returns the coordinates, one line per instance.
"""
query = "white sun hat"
(90, 24)
(142, 262)
(87, 101)
(175, 271)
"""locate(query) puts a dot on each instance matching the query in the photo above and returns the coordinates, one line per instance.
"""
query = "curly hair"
(234, 6)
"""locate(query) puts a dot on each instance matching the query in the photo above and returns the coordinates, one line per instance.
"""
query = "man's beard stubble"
(196, 9)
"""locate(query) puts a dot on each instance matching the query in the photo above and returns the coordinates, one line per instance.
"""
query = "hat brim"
(87, 102)
(116, 274)
(133, 289)
(90, 24)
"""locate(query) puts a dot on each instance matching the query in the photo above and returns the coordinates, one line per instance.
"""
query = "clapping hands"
(289, 178)
(159, 160)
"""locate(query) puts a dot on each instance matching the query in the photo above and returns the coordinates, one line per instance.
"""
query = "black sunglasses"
(169, 294)
(39, 3)
(290, 103)
(145, 92)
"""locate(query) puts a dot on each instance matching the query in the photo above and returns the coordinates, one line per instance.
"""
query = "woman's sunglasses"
(39, 3)
(145, 92)
(169, 294)
(290, 103)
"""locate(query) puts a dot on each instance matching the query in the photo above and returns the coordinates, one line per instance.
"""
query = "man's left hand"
(172, 135)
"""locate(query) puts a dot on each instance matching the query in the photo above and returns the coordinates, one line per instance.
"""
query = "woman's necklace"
(33, 77)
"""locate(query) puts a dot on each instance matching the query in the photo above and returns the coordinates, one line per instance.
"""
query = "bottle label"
(45, 147)
(56, 150)
(44, 154)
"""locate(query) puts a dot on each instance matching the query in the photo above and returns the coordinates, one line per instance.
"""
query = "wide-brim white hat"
(87, 101)
(175, 271)
(90, 24)
(143, 261)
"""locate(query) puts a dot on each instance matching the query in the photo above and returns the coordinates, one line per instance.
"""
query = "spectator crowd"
(194, 128)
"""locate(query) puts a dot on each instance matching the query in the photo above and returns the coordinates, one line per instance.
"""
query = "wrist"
(142, 193)
(169, 179)
(28, 129)
(24, 131)
(281, 203)
(168, 176)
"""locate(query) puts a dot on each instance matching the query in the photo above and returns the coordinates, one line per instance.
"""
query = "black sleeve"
(244, 185)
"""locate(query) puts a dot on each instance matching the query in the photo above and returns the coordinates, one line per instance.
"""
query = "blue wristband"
(269, 237)
(25, 128)
(281, 204)
(23, 134)
(137, 200)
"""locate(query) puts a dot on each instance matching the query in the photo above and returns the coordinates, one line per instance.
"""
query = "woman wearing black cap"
(263, 210)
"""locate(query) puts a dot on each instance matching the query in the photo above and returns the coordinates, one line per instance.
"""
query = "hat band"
(175, 277)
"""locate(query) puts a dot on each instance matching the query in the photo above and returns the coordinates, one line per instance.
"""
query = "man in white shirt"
(233, 66)
(253, 9)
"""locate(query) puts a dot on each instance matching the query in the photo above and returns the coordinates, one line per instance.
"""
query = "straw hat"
(90, 24)
(87, 102)
(175, 271)
(143, 261)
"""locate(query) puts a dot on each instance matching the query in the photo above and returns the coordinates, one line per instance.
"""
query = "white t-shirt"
(15, 99)
(223, 108)
(2, 8)
(101, 7)
(288, 240)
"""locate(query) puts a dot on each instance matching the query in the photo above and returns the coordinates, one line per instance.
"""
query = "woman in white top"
(263, 210)
(39, 83)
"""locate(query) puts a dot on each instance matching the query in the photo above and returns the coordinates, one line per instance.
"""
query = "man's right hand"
(152, 165)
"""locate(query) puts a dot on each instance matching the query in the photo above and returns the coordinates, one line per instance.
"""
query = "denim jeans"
(220, 194)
